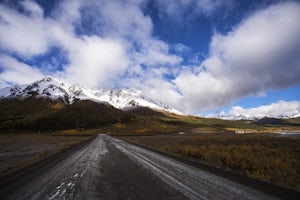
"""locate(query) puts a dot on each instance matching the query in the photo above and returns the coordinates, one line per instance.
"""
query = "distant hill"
(43, 114)
(146, 111)
(295, 120)
(271, 120)
(277, 121)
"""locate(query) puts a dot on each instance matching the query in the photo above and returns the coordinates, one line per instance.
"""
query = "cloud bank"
(112, 44)
(262, 52)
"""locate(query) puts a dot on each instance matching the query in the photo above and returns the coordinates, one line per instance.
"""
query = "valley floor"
(109, 168)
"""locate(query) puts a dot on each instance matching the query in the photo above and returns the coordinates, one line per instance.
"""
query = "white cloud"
(17, 72)
(262, 52)
(155, 53)
(33, 8)
(154, 85)
(68, 12)
(3, 84)
(96, 61)
(121, 19)
(279, 109)
(24, 34)
(125, 21)
(181, 48)
(119, 39)
(184, 10)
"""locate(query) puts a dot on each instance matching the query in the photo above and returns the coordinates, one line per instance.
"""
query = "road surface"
(109, 168)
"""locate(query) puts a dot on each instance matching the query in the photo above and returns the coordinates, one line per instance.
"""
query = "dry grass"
(272, 159)
(141, 126)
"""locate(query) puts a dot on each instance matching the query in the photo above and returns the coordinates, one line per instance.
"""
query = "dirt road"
(108, 168)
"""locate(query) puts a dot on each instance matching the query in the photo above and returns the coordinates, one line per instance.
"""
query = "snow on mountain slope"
(129, 98)
(54, 89)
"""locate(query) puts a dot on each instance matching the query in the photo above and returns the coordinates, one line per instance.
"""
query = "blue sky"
(199, 56)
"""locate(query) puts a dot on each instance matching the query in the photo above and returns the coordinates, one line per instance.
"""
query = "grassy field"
(169, 124)
(261, 156)
(19, 150)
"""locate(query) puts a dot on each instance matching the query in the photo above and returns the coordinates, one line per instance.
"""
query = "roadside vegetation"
(261, 156)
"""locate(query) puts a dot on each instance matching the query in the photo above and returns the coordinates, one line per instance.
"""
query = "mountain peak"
(48, 78)
(52, 88)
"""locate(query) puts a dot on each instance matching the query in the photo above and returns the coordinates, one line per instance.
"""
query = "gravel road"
(109, 168)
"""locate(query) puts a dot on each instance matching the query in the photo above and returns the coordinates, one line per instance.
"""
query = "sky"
(198, 56)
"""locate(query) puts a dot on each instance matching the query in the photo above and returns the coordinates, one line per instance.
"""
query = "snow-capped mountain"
(238, 117)
(280, 109)
(258, 117)
(54, 89)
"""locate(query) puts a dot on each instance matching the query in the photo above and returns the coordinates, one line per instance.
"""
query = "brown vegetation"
(265, 157)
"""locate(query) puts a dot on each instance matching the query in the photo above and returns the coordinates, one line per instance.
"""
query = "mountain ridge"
(253, 117)
(123, 99)
(54, 89)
